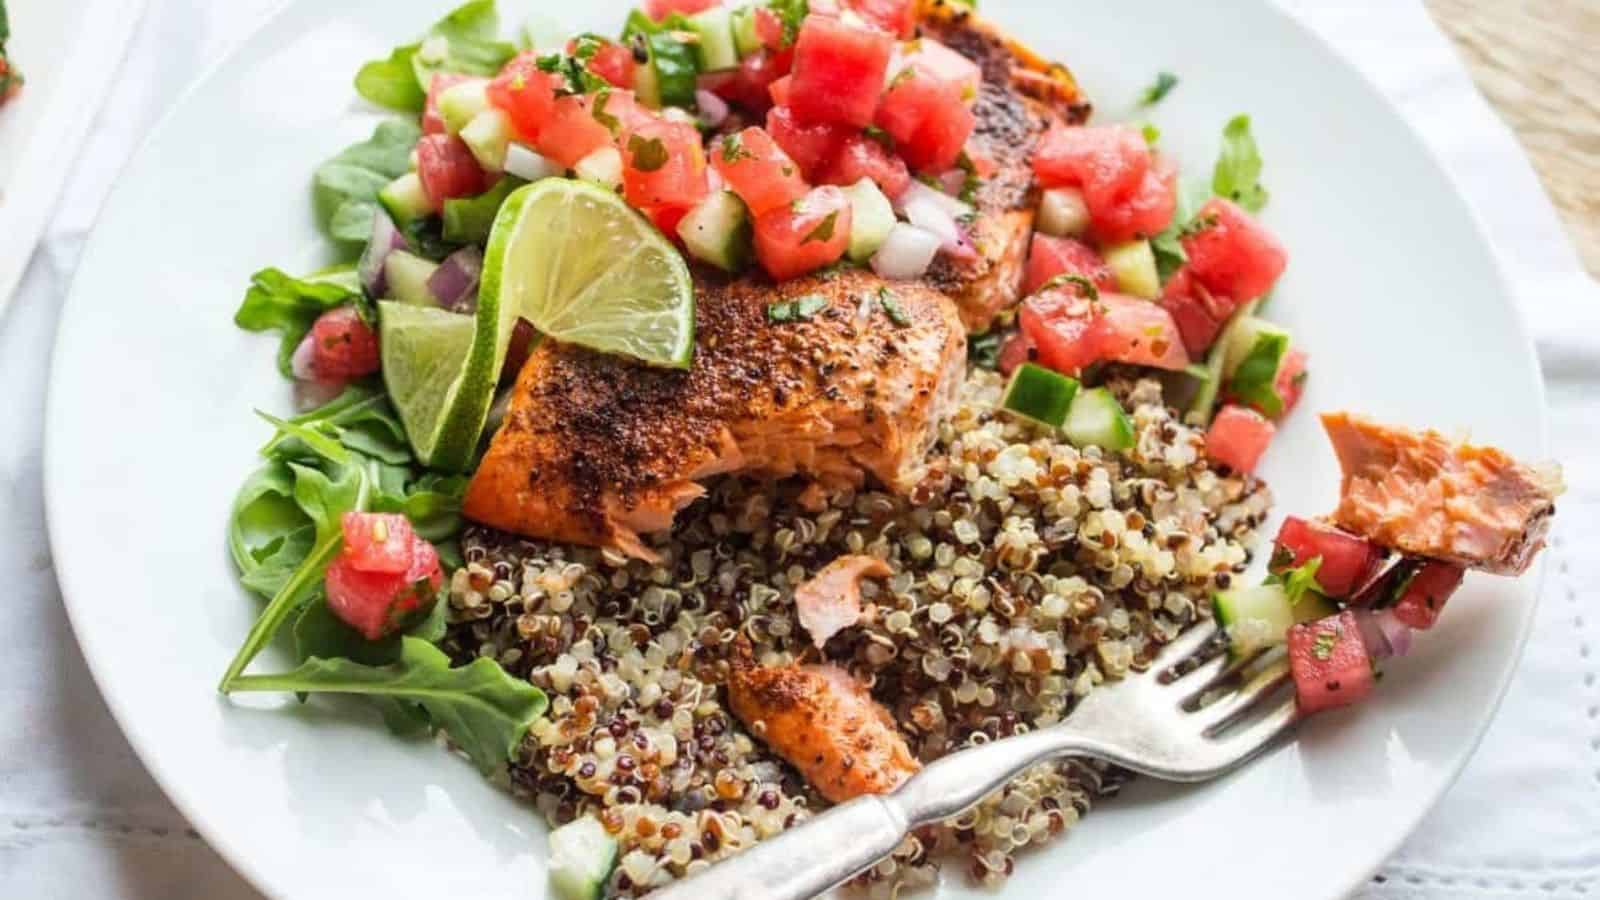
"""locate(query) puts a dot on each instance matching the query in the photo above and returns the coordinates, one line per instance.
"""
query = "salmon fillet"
(597, 450)
(830, 601)
(1424, 495)
(824, 723)
(1020, 97)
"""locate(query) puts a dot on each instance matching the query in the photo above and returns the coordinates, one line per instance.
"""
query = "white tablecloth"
(80, 818)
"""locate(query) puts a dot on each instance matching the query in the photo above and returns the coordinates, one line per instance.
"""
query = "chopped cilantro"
(983, 350)
(891, 307)
(797, 310)
(824, 229)
(1238, 172)
(1197, 225)
(1151, 133)
(1156, 92)
(791, 13)
(612, 123)
(1255, 379)
(649, 154)
(1086, 288)
(733, 149)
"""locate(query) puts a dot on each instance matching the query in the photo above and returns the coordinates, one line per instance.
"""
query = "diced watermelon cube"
(927, 119)
(809, 144)
(897, 17)
(341, 346)
(660, 9)
(1051, 256)
(862, 157)
(1426, 593)
(804, 236)
(571, 131)
(750, 85)
(942, 63)
(1232, 255)
(779, 90)
(1329, 663)
(448, 169)
(1141, 333)
(1066, 329)
(757, 169)
(1199, 313)
(1348, 561)
(523, 92)
(379, 603)
(377, 542)
(1143, 213)
(1107, 163)
(663, 165)
(1238, 436)
(769, 29)
(838, 71)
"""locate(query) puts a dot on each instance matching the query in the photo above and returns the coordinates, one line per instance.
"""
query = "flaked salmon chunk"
(1422, 494)
(598, 450)
(824, 723)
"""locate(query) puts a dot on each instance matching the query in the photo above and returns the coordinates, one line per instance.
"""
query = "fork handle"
(829, 849)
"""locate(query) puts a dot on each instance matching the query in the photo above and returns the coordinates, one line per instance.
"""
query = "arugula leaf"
(344, 190)
(1205, 399)
(1300, 580)
(392, 82)
(467, 220)
(319, 634)
(485, 711)
(676, 67)
(1159, 89)
(268, 534)
(466, 40)
(1238, 172)
(432, 503)
(1169, 253)
(1255, 380)
(279, 302)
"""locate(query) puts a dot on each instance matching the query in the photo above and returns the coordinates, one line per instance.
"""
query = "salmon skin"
(597, 450)
(1020, 96)
(824, 723)
(1422, 494)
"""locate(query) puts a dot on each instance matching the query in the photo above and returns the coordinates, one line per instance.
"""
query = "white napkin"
(80, 818)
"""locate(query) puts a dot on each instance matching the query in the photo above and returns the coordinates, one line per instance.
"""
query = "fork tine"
(1213, 718)
(1240, 744)
(1191, 683)
(1183, 646)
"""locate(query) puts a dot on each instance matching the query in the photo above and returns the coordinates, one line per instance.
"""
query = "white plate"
(68, 53)
(1391, 286)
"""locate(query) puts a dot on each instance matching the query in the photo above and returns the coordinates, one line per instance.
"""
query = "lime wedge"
(572, 259)
(424, 351)
(583, 267)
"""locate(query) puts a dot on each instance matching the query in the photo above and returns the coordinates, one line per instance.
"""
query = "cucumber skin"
(581, 878)
(716, 49)
(719, 232)
(871, 217)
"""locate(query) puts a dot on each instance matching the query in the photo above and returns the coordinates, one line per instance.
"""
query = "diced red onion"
(953, 181)
(715, 81)
(1383, 634)
(309, 395)
(713, 109)
(918, 192)
(454, 285)
(906, 252)
(385, 239)
(528, 165)
(300, 363)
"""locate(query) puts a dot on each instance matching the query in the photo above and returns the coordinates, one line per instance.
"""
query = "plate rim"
(255, 875)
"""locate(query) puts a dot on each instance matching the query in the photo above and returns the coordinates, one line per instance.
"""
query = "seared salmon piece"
(824, 723)
(1020, 97)
(597, 450)
(1424, 495)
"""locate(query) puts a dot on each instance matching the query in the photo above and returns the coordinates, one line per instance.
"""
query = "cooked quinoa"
(1026, 572)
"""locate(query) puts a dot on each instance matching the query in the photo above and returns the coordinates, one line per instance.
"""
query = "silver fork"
(1151, 723)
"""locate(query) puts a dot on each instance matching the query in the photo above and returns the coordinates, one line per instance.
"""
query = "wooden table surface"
(1538, 62)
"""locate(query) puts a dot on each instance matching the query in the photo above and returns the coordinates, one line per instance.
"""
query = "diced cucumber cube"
(718, 231)
(529, 165)
(715, 49)
(582, 855)
(1062, 213)
(405, 200)
(1096, 419)
(488, 136)
(745, 39)
(1200, 407)
(602, 167)
(1255, 618)
(1241, 338)
(1039, 395)
(407, 275)
(871, 218)
(460, 102)
(1134, 266)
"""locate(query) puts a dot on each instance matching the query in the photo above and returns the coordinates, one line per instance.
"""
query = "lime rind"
(572, 259)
